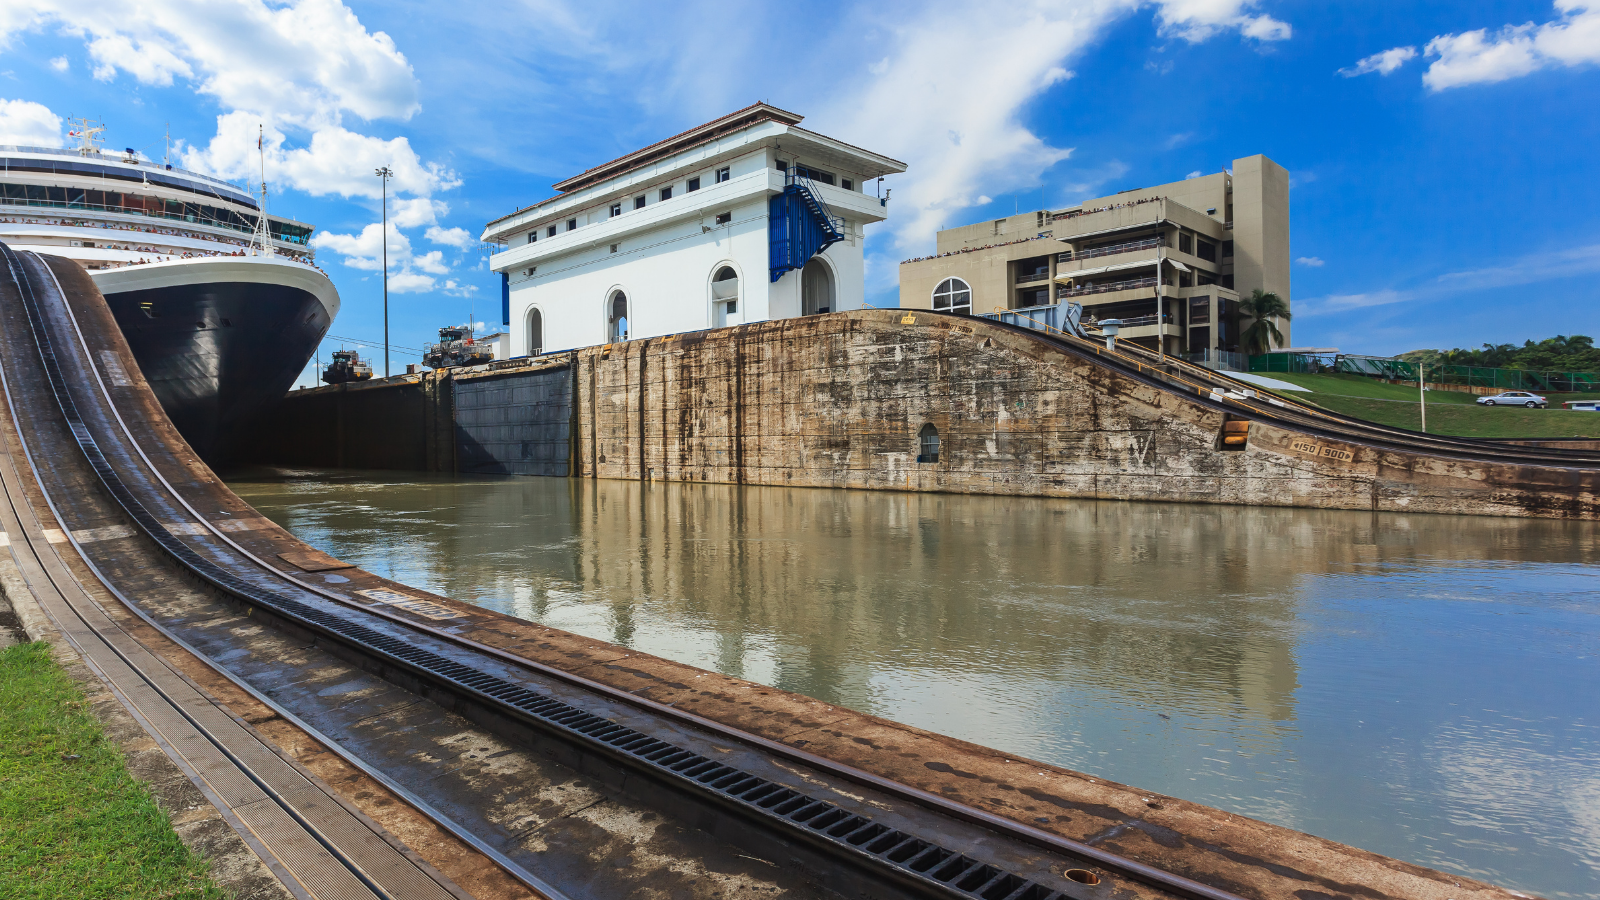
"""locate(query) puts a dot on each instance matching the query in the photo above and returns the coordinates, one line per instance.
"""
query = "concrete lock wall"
(839, 401)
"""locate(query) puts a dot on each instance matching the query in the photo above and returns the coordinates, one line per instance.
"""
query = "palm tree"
(1262, 307)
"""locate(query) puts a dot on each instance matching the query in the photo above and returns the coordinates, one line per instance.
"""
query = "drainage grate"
(848, 832)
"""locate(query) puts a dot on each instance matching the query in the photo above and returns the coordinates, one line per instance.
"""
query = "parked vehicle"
(1514, 398)
(1583, 405)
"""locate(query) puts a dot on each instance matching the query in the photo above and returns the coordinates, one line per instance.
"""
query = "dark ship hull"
(220, 340)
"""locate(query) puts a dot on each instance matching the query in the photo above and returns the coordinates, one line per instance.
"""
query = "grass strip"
(73, 822)
(1449, 412)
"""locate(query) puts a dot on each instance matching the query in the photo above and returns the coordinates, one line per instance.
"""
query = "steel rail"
(229, 584)
(532, 881)
(1333, 426)
(311, 828)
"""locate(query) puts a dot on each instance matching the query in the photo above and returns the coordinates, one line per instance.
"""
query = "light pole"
(385, 174)
(1422, 394)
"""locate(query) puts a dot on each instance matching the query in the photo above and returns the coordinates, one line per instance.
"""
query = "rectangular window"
(1227, 282)
(783, 164)
(616, 209)
(638, 202)
(1200, 311)
(550, 232)
(615, 247)
(1207, 278)
(533, 235)
(694, 185)
(1200, 339)
(733, 306)
(1185, 243)
(572, 224)
(1205, 250)
(847, 184)
(724, 218)
(1227, 249)
(816, 175)
(723, 174)
(666, 193)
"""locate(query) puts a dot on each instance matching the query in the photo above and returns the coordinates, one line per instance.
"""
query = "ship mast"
(87, 131)
(262, 239)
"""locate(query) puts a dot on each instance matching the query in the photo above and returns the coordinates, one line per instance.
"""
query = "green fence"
(1285, 362)
(1403, 370)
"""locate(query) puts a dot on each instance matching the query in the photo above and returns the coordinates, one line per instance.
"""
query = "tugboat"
(456, 347)
(347, 366)
(221, 304)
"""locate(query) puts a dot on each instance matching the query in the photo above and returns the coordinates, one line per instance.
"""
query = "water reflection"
(1421, 686)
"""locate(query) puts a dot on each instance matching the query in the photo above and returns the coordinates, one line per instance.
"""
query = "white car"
(1514, 398)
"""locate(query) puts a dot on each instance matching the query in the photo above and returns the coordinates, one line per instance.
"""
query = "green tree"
(1263, 307)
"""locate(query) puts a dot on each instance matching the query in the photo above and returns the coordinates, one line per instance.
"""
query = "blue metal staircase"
(799, 225)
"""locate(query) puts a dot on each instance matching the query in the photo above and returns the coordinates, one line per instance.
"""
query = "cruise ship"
(221, 313)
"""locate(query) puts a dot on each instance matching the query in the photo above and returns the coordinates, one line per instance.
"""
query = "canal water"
(1426, 687)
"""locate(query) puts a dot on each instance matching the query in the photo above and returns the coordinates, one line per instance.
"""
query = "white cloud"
(1531, 268)
(1312, 261)
(414, 213)
(1178, 140)
(28, 123)
(303, 61)
(1011, 52)
(410, 283)
(1195, 174)
(1482, 57)
(458, 290)
(148, 61)
(431, 262)
(60, 64)
(459, 238)
(409, 272)
(298, 67)
(1199, 20)
(1382, 63)
(365, 250)
(337, 161)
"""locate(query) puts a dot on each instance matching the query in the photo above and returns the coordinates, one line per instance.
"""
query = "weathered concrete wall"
(514, 421)
(389, 424)
(838, 401)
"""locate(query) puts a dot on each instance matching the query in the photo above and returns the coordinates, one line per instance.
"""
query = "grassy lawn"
(73, 822)
(1449, 412)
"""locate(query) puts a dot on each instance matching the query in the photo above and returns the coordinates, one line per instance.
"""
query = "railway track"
(81, 419)
(1223, 393)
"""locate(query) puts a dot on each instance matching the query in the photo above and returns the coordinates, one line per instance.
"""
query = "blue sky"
(1443, 154)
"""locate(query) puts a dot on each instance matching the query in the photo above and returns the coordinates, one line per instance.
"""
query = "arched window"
(816, 288)
(725, 296)
(535, 332)
(617, 317)
(953, 295)
(928, 444)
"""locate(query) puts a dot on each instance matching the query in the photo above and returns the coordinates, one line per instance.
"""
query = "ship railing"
(130, 211)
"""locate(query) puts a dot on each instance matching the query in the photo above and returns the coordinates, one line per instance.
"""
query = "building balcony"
(1112, 250)
(1108, 287)
(1031, 277)
(1150, 331)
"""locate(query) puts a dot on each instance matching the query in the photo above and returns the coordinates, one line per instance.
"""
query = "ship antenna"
(261, 237)
(87, 131)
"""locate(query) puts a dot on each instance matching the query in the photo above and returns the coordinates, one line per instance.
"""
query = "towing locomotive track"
(895, 854)
(834, 828)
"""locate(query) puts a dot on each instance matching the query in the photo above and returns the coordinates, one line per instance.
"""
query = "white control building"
(743, 219)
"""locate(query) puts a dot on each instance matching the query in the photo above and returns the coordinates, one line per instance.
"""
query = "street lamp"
(385, 173)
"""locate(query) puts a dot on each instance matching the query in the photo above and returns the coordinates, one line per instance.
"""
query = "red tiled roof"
(744, 118)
